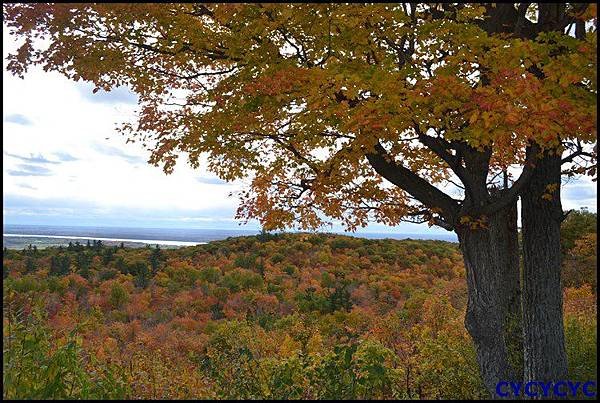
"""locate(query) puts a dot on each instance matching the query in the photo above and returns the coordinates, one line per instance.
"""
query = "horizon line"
(383, 231)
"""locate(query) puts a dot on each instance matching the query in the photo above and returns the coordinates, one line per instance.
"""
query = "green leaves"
(37, 366)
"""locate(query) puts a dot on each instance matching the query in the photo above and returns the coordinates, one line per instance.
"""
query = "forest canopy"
(272, 316)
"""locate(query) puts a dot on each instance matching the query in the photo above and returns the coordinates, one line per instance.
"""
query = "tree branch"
(407, 180)
(507, 196)
(575, 154)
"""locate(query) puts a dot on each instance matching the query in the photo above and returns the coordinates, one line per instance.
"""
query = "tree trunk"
(504, 234)
(545, 356)
(493, 308)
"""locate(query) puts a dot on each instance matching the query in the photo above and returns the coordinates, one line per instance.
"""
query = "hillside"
(270, 316)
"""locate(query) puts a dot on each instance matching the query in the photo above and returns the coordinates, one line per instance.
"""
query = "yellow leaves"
(585, 246)
(474, 116)
(465, 219)
(547, 196)
(289, 347)
(287, 13)
(565, 80)
(473, 223)
(470, 12)
(486, 119)
(581, 303)
(550, 188)
(317, 73)
(315, 344)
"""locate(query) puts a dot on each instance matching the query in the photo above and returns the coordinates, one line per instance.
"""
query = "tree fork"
(491, 257)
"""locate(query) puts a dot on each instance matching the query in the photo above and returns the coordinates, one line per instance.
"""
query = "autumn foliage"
(272, 316)
(296, 97)
(351, 112)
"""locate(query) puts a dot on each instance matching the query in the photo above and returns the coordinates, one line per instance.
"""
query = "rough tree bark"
(490, 255)
(544, 354)
(493, 316)
(504, 234)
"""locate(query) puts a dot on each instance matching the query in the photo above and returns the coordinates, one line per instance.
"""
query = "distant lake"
(163, 236)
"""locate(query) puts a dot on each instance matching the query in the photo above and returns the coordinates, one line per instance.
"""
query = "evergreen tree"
(83, 261)
(155, 259)
(30, 265)
(121, 266)
(107, 255)
(142, 274)
(60, 264)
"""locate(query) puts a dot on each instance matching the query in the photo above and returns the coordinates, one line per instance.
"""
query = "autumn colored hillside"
(271, 316)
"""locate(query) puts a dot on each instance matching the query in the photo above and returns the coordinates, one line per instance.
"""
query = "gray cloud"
(29, 170)
(26, 186)
(211, 181)
(18, 119)
(35, 159)
(580, 191)
(116, 152)
(21, 209)
(119, 95)
(65, 157)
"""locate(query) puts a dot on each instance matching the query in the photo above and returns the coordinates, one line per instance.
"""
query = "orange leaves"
(284, 92)
(401, 304)
(580, 302)
(512, 118)
(549, 190)
(279, 82)
(474, 223)
(474, 117)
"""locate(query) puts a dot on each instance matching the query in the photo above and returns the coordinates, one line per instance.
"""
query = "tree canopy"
(310, 100)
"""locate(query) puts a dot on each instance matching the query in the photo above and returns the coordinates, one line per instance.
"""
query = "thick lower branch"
(420, 189)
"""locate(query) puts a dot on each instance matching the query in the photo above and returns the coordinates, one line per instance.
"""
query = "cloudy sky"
(64, 164)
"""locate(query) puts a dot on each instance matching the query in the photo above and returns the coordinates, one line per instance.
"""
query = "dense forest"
(282, 316)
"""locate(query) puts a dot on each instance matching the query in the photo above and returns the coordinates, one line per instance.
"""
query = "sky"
(65, 164)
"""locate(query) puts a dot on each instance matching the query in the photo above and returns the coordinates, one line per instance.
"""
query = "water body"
(128, 233)
(69, 238)
(18, 236)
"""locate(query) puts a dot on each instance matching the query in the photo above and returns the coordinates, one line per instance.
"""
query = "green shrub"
(35, 368)
(118, 296)
(277, 258)
(210, 274)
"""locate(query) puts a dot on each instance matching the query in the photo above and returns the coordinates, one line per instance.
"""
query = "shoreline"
(146, 241)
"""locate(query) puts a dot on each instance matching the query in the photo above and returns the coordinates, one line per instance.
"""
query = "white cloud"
(60, 140)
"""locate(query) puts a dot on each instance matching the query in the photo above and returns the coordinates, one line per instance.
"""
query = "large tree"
(381, 112)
